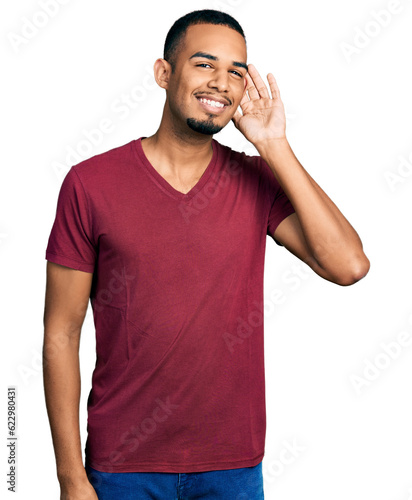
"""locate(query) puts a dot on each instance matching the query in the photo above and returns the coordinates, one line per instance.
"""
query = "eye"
(237, 73)
(203, 65)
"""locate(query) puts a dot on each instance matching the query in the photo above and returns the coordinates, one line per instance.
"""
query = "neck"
(180, 152)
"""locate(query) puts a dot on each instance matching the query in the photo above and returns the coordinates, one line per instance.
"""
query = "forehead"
(221, 41)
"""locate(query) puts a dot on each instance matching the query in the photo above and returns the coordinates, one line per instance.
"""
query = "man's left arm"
(317, 232)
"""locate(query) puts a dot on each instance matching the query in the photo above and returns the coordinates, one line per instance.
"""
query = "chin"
(205, 127)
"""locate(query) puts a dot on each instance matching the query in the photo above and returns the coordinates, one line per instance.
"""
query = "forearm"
(61, 375)
(331, 238)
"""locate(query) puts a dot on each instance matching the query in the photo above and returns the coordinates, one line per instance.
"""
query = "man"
(166, 236)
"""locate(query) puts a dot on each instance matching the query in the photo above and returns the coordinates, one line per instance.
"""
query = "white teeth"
(212, 103)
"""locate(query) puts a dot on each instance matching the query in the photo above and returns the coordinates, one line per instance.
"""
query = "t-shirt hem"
(68, 262)
(175, 468)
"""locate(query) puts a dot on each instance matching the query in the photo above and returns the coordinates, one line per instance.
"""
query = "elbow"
(358, 269)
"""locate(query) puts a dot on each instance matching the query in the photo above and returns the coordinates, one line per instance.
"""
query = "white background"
(349, 124)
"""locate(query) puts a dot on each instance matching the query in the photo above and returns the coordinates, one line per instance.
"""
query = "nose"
(220, 81)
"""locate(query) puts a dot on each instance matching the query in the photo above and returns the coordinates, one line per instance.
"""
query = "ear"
(162, 70)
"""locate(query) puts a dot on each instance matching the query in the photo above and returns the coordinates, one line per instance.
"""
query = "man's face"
(209, 79)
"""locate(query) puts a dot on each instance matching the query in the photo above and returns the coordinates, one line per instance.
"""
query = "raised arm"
(67, 296)
(317, 232)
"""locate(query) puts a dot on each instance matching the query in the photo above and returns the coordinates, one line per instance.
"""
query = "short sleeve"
(70, 242)
(281, 206)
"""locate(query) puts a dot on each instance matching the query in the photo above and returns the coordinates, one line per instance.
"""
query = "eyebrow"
(214, 58)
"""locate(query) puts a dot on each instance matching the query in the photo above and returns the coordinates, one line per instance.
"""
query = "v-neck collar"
(162, 182)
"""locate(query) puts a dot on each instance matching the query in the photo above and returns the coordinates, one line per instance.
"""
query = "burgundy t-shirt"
(177, 298)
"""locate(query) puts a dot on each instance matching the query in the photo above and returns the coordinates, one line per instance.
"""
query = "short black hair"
(179, 28)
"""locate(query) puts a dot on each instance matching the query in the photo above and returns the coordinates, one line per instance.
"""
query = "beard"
(206, 127)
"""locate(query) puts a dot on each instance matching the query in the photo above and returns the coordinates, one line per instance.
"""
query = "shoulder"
(104, 163)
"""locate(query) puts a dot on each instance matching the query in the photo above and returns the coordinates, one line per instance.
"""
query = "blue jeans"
(232, 484)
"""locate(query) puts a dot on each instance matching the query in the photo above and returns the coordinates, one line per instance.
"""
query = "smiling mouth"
(212, 105)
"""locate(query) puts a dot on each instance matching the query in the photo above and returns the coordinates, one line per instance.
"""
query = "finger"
(259, 83)
(274, 89)
(250, 87)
